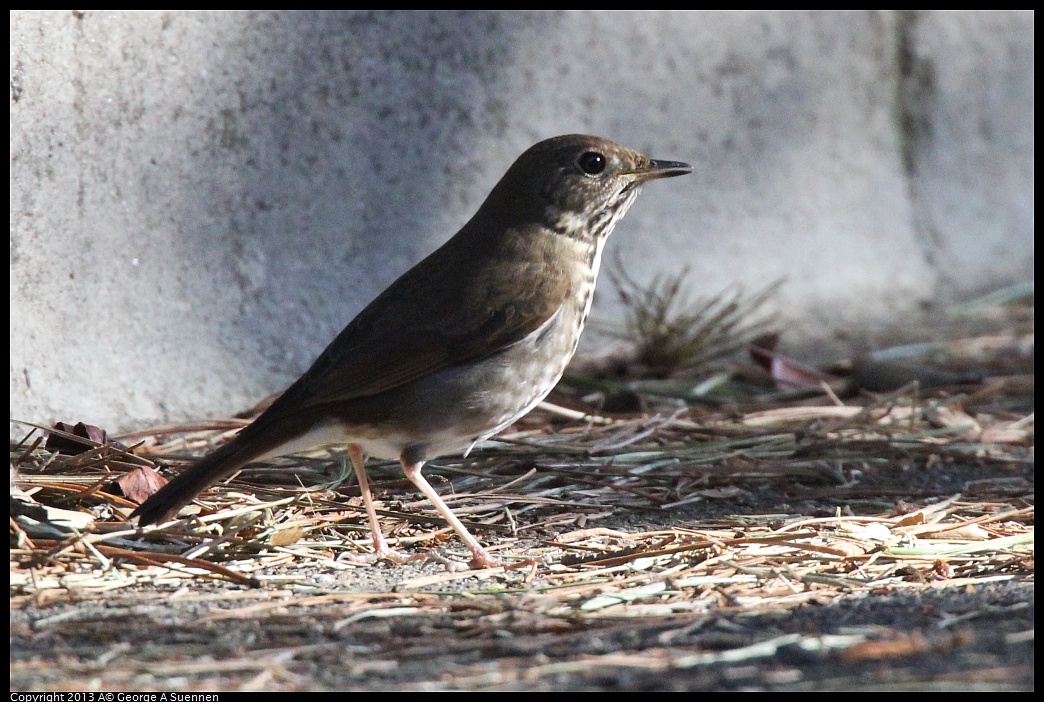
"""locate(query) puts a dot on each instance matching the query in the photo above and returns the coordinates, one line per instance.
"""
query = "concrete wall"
(200, 201)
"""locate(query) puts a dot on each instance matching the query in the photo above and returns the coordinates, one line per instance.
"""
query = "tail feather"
(220, 463)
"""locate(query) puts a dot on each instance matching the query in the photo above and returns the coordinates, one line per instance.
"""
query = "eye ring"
(592, 163)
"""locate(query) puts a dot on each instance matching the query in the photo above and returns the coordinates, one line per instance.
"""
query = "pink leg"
(479, 557)
(380, 545)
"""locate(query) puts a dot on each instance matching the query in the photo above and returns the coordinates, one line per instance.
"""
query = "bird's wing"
(449, 309)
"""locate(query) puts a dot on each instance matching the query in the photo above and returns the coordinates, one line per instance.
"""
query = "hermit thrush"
(465, 342)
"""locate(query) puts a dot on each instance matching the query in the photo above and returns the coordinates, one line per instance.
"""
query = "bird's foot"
(382, 551)
(478, 562)
(480, 558)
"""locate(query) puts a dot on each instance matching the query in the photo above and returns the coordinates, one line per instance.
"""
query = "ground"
(775, 558)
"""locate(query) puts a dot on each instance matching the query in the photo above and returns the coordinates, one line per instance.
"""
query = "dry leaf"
(141, 483)
(285, 537)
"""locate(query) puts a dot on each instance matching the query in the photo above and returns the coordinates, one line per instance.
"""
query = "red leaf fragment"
(788, 373)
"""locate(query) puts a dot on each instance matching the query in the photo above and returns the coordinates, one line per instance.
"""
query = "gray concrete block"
(200, 201)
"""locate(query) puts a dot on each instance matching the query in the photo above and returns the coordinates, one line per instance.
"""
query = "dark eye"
(591, 162)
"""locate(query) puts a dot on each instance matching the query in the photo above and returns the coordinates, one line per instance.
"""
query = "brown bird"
(464, 343)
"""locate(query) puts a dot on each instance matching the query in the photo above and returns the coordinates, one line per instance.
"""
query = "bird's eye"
(591, 162)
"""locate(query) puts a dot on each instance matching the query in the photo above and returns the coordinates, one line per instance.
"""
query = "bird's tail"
(218, 464)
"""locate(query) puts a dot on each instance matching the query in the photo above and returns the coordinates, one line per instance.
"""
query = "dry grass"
(529, 484)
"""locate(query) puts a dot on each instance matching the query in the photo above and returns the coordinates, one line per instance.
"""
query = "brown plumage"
(462, 344)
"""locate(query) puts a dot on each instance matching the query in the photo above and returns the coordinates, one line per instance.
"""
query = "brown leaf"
(63, 444)
(141, 483)
(911, 519)
(285, 537)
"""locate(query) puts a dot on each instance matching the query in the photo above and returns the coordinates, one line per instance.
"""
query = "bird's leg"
(380, 545)
(479, 557)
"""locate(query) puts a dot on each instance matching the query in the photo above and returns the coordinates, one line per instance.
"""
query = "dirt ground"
(627, 623)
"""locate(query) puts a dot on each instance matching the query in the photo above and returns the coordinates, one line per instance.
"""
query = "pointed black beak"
(661, 169)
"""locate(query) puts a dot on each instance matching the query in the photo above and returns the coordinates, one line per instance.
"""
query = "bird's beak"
(659, 169)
